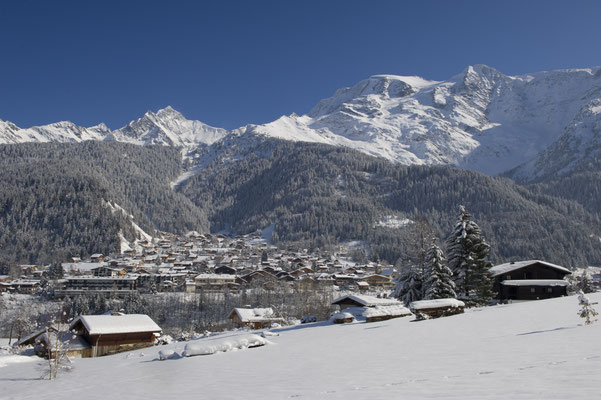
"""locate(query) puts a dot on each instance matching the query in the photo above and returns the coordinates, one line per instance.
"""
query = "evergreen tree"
(409, 285)
(55, 271)
(586, 310)
(467, 254)
(585, 283)
(439, 284)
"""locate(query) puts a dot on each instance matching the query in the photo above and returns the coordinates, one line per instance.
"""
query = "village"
(218, 264)
(202, 262)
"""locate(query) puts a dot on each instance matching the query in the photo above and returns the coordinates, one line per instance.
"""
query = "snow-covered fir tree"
(439, 284)
(586, 284)
(467, 255)
(409, 285)
(586, 308)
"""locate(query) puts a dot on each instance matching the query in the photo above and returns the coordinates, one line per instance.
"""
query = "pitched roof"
(367, 301)
(108, 324)
(535, 282)
(514, 265)
(254, 314)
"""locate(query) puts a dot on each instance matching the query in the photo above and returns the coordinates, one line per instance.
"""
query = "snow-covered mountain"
(479, 119)
(64, 131)
(165, 127)
(579, 144)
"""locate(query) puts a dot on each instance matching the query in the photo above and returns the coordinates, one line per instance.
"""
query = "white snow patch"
(392, 221)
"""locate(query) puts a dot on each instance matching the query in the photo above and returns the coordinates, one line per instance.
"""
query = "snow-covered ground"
(519, 351)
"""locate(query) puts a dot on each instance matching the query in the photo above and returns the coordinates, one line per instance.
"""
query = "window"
(549, 290)
(532, 290)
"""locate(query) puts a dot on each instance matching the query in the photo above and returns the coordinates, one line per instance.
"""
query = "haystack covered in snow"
(253, 318)
(368, 308)
(114, 333)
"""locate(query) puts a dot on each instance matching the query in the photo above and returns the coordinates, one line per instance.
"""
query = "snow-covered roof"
(535, 282)
(254, 314)
(69, 340)
(515, 265)
(108, 324)
(380, 311)
(82, 266)
(216, 276)
(367, 301)
(437, 303)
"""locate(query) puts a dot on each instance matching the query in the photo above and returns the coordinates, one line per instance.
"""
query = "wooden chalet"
(114, 333)
(368, 308)
(46, 341)
(436, 308)
(377, 280)
(225, 269)
(253, 318)
(215, 282)
(529, 280)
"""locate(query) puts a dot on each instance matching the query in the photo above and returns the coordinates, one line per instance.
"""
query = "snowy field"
(520, 351)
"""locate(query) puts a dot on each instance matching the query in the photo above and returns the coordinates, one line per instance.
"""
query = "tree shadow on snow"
(546, 331)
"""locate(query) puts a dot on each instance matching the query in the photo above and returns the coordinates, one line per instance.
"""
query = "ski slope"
(519, 351)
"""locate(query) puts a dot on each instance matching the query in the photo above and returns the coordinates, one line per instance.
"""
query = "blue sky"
(230, 63)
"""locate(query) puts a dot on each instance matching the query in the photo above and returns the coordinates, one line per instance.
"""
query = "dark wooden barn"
(529, 280)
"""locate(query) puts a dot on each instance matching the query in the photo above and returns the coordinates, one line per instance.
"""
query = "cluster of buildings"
(205, 262)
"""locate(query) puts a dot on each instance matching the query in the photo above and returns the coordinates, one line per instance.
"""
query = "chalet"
(529, 280)
(225, 269)
(22, 286)
(106, 271)
(369, 308)
(97, 257)
(436, 308)
(253, 318)
(377, 280)
(89, 284)
(109, 334)
(47, 341)
(260, 277)
(215, 282)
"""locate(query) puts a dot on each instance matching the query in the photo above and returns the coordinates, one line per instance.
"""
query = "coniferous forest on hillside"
(64, 200)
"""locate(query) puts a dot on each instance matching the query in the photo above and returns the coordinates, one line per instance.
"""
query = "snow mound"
(168, 354)
(206, 347)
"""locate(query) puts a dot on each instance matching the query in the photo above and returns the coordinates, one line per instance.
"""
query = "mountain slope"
(479, 119)
(320, 195)
(59, 200)
(167, 127)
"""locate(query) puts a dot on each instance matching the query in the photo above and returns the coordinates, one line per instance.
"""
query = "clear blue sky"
(229, 63)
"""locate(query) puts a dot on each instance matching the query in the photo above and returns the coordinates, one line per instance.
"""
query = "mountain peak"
(169, 111)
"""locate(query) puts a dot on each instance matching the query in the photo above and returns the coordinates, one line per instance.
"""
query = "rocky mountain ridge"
(535, 125)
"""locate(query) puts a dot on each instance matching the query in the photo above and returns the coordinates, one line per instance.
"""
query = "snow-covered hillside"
(521, 351)
(479, 119)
